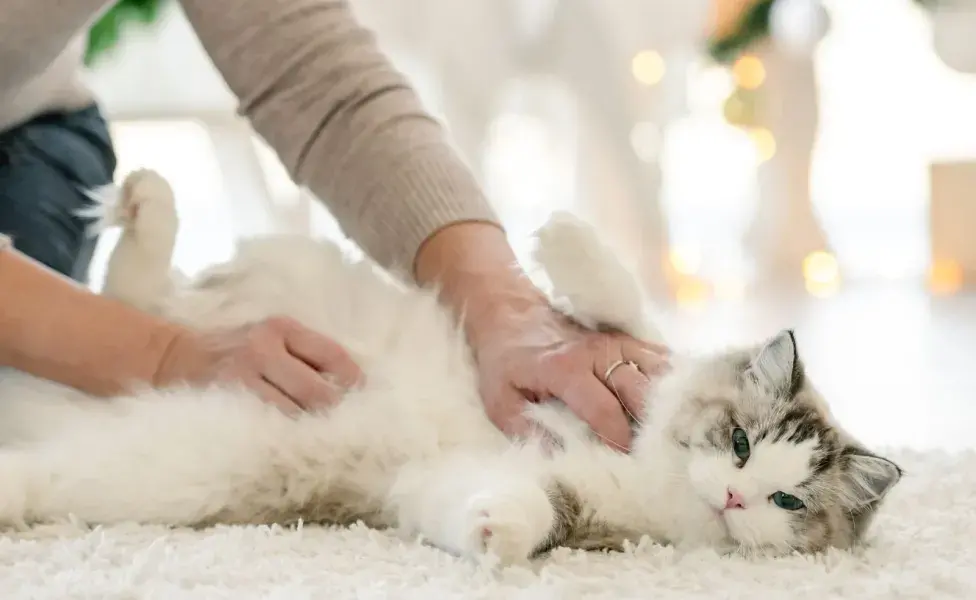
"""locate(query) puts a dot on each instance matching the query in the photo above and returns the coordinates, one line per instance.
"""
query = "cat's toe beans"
(509, 527)
(502, 537)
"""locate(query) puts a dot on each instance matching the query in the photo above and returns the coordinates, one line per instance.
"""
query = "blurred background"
(760, 163)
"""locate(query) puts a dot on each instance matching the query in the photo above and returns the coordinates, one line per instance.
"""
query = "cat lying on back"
(736, 451)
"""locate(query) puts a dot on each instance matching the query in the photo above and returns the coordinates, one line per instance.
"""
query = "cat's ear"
(777, 368)
(868, 478)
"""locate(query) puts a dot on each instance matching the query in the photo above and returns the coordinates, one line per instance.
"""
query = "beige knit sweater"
(311, 81)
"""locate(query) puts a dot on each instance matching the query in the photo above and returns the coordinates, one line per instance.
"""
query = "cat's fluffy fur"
(412, 448)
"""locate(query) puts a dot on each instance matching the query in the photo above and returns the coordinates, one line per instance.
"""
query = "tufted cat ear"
(868, 478)
(777, 368)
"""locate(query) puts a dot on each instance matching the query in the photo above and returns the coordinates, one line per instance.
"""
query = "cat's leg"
(475, 506)
(139, 270)
(587, 273)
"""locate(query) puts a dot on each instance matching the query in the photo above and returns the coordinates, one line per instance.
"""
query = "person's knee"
(48, 167)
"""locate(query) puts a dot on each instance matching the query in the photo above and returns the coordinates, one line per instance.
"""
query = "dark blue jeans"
(46, 165)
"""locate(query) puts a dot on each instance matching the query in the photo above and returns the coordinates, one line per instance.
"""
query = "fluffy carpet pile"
(922, 548)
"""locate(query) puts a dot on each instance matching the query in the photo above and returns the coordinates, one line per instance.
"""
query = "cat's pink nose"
(733, 499)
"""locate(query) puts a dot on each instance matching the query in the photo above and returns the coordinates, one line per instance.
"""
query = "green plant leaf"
(106, 33)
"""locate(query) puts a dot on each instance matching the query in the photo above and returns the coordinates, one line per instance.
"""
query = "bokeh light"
(648, 67)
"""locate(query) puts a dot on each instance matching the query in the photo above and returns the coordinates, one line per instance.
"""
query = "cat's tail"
(585, 273)
(139, 269)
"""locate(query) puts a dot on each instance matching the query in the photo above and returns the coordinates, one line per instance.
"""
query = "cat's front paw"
(508, 525)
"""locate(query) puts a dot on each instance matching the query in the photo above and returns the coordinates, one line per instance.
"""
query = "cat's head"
(762, 451)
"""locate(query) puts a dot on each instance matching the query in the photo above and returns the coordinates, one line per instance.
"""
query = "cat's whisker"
(791, 548)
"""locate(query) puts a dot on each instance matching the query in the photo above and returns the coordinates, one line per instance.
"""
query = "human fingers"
(592, 402)
(304, 385)
(505, 407)
(628, 384)
(269, 394)
(320, 352)
(655, 348)
(651, 359)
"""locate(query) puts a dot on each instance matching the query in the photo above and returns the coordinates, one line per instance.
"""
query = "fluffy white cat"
(736, 450)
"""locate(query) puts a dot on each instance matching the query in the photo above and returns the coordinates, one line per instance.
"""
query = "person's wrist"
(477, 274)
(185, 358)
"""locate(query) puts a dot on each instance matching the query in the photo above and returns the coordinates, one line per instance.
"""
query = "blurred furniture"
(785, 229)
(953, 24)
(952, 218)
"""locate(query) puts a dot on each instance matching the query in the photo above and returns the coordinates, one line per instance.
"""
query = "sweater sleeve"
(314, 83)
(34, 32)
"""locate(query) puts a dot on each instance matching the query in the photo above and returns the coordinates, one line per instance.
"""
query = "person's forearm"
(53, 328)
(316, 85)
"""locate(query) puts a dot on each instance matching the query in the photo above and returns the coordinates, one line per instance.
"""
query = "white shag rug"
(923, 548)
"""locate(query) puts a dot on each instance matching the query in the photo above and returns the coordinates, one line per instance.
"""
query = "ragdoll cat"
(736, 450)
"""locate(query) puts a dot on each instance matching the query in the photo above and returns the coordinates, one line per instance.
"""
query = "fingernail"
(336, 383)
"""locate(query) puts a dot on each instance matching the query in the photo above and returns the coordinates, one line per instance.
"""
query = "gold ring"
(613, 367)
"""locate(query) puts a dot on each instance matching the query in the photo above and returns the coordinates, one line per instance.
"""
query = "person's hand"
(285, 363)
(525, 351)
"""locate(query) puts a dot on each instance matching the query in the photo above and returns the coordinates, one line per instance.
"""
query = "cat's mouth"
(719, 517)
(728, 536)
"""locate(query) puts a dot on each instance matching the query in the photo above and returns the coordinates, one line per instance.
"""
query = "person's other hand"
(285, 363)
(531, 353)
(525, 350)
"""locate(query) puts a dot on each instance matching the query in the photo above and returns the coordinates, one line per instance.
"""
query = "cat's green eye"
(740, 444)
(787, 502)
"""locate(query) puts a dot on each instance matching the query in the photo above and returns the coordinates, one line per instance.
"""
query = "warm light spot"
(749, 72)
(821, 273)
(820, 267)
(765, 143)
(685, 261)
(648, 67)
(945, 277)
(691, 293)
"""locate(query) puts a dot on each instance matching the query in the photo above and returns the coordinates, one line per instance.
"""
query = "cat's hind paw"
(508, 525)
(144, 202)
(587, 274)
(146, 191)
